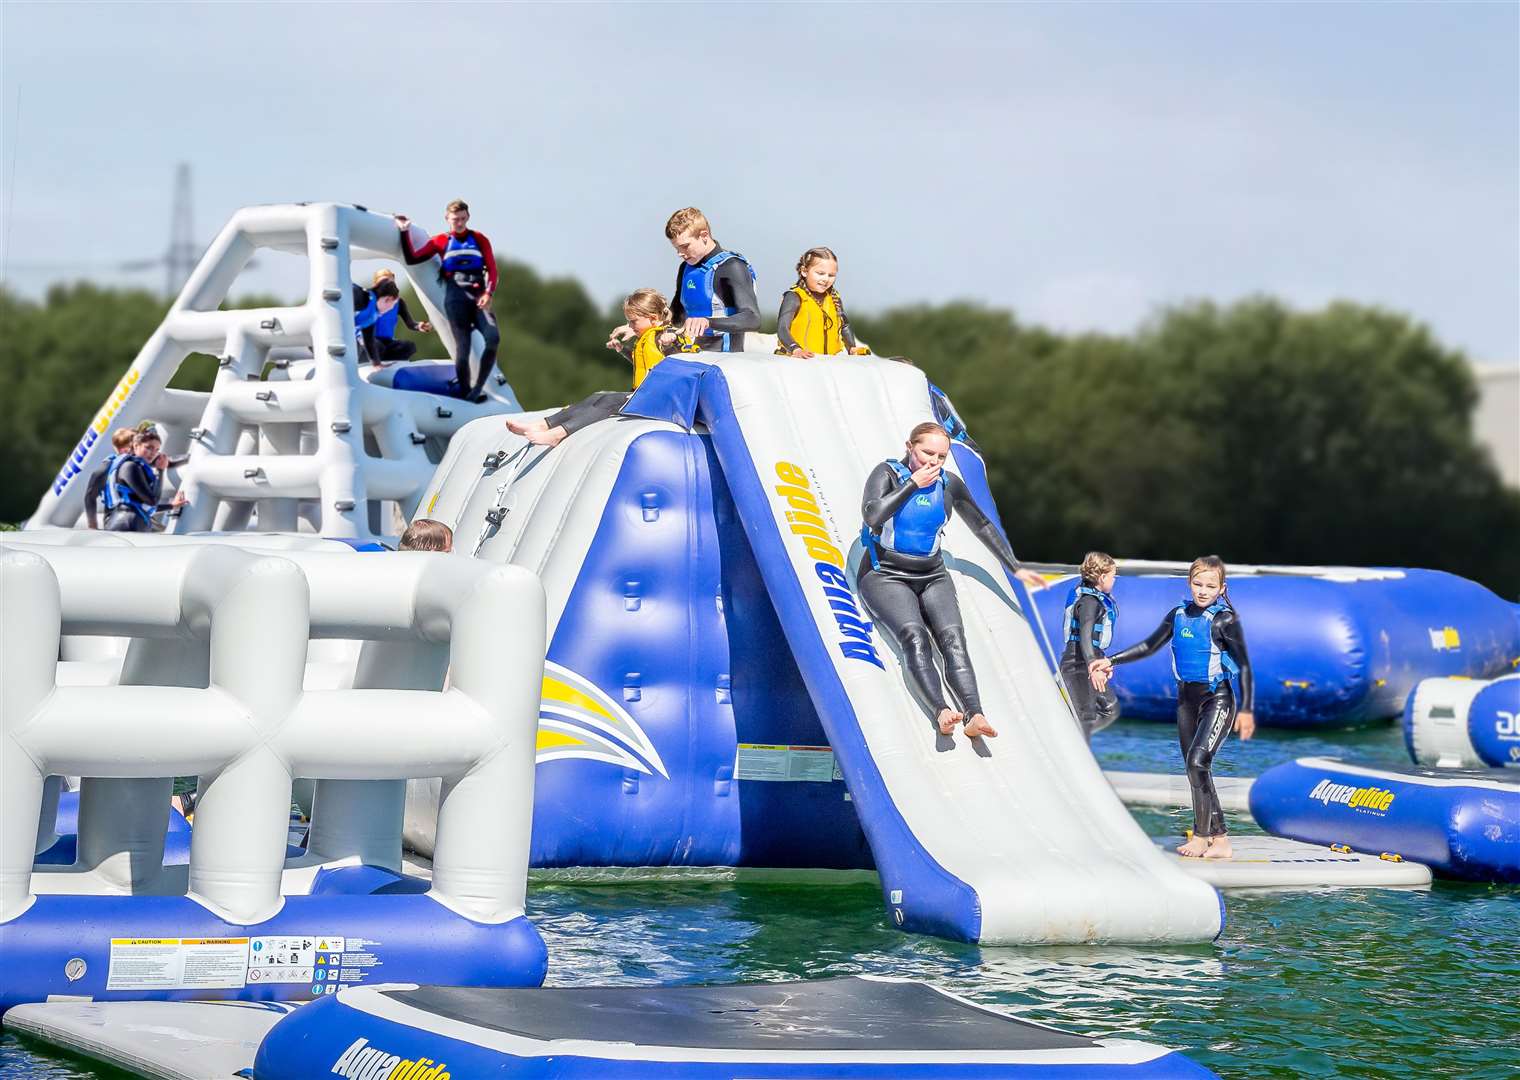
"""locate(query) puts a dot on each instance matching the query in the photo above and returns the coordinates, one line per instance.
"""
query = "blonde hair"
(1209, 562)
(689, 219)
(650, 303)
(457, 206)
(928, 427)
(382, 275)
(1094, 565)
(425, 534)
(122, 438)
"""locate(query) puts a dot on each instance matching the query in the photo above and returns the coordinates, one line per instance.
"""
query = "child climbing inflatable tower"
(294, 433)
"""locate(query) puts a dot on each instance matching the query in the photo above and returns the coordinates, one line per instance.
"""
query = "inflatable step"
(1272, 862)
(1461, 824)
(837, 1027)
(163, 1040)
(1171, 789)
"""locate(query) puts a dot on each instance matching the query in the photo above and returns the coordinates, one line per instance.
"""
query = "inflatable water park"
(647, 658)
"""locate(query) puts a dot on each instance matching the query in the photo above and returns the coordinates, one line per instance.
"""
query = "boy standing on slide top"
(469, 280)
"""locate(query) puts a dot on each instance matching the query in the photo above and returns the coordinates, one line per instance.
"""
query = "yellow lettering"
(802, 518)
(791, 474)
(824, 552)
(808, 530)
(798, 498)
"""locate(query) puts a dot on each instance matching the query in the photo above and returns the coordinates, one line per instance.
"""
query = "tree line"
(1261, 433)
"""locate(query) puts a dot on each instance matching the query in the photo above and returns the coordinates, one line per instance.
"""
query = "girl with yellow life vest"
(812, 321)
(648, 315)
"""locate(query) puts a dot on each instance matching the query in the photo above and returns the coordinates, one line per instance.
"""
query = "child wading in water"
(812, 321)
(653, 339)
(1213, 678)
(1090, 619)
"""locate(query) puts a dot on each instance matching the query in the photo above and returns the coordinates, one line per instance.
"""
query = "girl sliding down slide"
(903, 579)
(1213, 675)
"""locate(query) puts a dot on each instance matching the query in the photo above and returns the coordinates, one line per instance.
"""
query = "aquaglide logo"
(805, 522)
(1373, 800)
(364, 1062)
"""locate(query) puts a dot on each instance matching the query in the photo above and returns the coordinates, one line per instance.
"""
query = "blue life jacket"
(918, 524)
(117, 493)
(366, 316)
(1195, 655)
(699, 290)
(385, 325)
(463, 262)
(1103, 629)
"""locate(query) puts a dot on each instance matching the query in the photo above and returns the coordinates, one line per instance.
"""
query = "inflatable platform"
(1464, 723)
(1271, 862)
(839, 1027)
(1460, 824)
(1330, 646)
(1171, 790)
(715, 695)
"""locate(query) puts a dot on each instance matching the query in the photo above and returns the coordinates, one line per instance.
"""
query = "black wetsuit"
(145, 485)
(462, 310)
(1204, 716)
(735, 288)
(391, 349)
(913, 597)
(1095, 709)
(791, 303)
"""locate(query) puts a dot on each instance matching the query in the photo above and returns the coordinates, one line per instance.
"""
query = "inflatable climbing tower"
(297, 432)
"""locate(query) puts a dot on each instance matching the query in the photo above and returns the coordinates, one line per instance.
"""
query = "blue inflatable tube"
(1461, 824)
(1493, 723)
(831, 1028)
(1326, 649)
(141, 948)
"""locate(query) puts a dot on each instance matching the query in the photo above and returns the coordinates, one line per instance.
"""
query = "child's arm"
(1230, 638)
(406, 316)
(1153, 644)
(737, 289)
(790, 305)
(884, 496)
(846, 332)
(1088, 611)
(92, 493)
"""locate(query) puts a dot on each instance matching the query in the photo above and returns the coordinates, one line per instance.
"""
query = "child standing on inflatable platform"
(906, 505)
(812, 321)
(1090, 619)
(1213, 680)
(468, 273)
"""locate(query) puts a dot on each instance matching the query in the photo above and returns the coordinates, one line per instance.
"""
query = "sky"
(1082, 164)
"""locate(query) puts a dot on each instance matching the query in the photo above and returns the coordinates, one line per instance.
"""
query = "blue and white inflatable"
(1464, 723)
(1460, 824)
(1329, 646)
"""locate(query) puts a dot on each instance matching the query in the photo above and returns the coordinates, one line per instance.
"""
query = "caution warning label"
(177, 963)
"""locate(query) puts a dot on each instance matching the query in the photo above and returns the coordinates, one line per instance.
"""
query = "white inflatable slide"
(1013, 839)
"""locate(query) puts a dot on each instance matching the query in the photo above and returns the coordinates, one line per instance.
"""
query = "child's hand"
(403, 222)
(1245, 725)
(1099, 672)
(798, 350)
(619, 335)
(694, 328)
(668, 337)
(424, 327)
(860, 350)
(926, 476)
(1032, 579)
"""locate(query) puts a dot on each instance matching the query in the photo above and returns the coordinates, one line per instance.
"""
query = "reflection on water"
(1367, 983)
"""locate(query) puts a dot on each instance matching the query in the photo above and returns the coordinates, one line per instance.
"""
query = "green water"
(1366, 983)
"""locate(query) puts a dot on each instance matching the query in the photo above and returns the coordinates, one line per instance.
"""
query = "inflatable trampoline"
(835, 1028)
(1464, 723)
(1460, 824)
(1330, 646)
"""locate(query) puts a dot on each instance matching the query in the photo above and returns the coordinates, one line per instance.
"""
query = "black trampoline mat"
(828, 1014)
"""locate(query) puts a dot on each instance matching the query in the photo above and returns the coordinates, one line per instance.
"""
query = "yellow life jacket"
(646, 351)
(816, 326)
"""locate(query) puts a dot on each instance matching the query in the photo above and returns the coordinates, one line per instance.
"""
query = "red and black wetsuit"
(468, 271)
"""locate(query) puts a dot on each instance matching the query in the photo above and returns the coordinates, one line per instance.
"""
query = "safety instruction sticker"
(759, 761)
(289, 958)
(177, 963)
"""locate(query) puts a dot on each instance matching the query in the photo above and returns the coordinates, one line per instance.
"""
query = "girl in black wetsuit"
(1209, 658)
(903, 579)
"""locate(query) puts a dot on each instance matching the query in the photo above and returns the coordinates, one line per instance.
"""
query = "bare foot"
(1219, 848)
(552, 437)
(1195, 847)
(522, 427)
(948, 718)
(977, 726)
